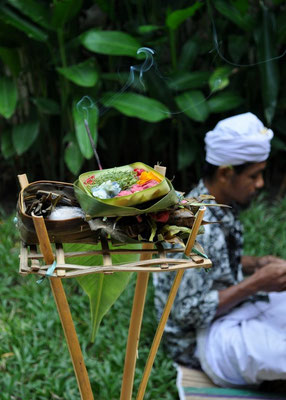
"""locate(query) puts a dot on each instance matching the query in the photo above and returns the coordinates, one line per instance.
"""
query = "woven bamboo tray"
(31, 261)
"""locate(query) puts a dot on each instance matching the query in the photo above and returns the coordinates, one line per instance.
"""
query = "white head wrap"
(237, 140)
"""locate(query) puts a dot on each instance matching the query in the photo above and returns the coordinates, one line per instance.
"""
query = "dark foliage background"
(212, 58)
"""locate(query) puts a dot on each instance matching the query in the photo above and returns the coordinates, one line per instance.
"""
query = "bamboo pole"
(62, 306)
(167, 309)
(136, 321)
(64, 313)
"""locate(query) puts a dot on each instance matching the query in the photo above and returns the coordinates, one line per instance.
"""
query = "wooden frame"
(30, 264)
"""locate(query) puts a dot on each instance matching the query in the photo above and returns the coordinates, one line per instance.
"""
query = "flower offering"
(103, 192)
(121, 183)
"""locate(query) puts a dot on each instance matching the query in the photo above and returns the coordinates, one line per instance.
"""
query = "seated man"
(233, 327)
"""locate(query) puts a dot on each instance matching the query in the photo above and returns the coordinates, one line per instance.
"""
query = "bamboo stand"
(143, 269)
(63, 308)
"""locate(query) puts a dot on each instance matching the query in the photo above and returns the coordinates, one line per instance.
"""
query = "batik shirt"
(197, 298)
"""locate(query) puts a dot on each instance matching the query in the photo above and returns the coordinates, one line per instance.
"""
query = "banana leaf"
(102, 289)
(134, 204)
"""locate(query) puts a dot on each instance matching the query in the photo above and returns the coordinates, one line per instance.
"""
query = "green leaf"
(24, 136)
(8, 96)
(194, 105)
(83, 74)
(73, 158)
(35, 10)
(176, 18)
(188, 55)
(103, 290)
(81, 133)
(143, 29)
(219, 78)
(241, 5)
(187, 152)
(233, 13)
(278, 144)
(268, 67)
(11, 58)
(110, 42)
(189, 80)
(64, 11)
(46, 106)
(32, 31)
(236, 47)
(136, 105)
(224, 101)
(7, 148)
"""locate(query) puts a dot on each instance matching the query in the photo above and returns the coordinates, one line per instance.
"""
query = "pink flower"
(150, 184)
(136, 188)
(89, 180)
(124, 193)
(139, 171)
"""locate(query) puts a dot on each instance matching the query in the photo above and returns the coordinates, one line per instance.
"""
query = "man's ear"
(225, 173)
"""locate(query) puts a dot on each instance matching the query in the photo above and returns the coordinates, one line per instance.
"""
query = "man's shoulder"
(199, 189)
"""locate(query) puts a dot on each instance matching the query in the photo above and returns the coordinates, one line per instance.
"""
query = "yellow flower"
(146, 177)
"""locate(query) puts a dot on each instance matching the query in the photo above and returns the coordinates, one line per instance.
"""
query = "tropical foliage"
(211, 59)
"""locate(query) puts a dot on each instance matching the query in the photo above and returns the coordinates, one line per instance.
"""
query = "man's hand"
(271, 277)
(268, 278)
(262, 261)
(251, 263)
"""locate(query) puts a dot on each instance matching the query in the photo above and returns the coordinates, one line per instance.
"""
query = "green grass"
(34, 359)
(265, 227)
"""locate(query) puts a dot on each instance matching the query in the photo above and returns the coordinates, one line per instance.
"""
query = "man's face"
(244, 186)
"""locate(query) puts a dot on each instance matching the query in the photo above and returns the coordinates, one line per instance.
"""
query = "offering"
(128, 190)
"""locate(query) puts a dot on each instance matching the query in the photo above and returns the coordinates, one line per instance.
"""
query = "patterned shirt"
(197, 298)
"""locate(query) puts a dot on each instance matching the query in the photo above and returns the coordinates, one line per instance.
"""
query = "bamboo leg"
(167, 309)
(136, 321)
(134, 328)
(64, 313)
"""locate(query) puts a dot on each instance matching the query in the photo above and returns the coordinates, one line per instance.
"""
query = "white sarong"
(246, 346)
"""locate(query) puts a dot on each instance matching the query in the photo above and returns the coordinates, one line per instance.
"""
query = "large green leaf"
(224, 101)
(219, 78)
(35, 10)
(46, 105)
(11, 58)
(188, 55)
(228, 9)
(7, 148)
(103, 290)
(268, 67)
(63, 11)
(90, 114)
(73, 158)
(136, 105)
(110, 42)
(193, 104)
(83, 74)
(189, 80)
(176, 18)
(8, 96)
(17, 21)
(24, 136)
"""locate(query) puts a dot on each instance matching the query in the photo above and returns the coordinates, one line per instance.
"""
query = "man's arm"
(270, 278)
